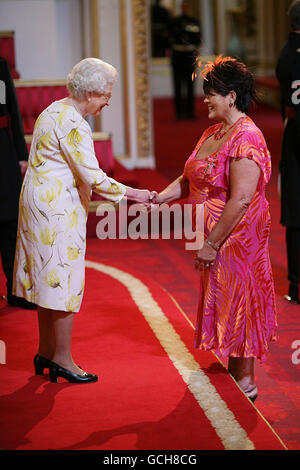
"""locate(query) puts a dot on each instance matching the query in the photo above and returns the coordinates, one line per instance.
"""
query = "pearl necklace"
(76, 107)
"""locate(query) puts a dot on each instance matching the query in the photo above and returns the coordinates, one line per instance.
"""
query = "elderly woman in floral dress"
(62, 172)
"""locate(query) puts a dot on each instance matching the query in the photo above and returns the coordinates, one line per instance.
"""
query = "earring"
(230, 105)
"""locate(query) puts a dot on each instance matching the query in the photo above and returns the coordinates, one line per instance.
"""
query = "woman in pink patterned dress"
(227, 173)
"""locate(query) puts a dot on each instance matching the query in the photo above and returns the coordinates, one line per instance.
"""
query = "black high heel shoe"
(58, 371)
(40, 363)
(293, 295)
(291, 299)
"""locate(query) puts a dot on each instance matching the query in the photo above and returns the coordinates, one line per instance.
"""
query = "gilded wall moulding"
(142, 73)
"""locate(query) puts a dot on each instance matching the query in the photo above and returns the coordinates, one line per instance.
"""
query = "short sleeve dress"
(62, 172)
(236, 313)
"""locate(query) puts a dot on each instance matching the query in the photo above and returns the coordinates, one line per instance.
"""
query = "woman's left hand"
(23, 166)
(143, 196)
(205, 257)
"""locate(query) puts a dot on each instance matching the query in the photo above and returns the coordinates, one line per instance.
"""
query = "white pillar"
(112, 117)
(138, 111)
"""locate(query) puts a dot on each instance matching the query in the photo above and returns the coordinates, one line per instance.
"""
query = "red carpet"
(155, 390)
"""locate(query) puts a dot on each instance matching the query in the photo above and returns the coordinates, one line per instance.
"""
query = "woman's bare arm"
(178, 189)
(244, 178)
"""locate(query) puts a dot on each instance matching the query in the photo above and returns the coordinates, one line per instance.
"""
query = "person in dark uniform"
(160, 23)
(186, 39)
(288, 73)
(13, 155)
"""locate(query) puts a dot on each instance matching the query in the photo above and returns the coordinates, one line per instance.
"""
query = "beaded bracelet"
(213, 245)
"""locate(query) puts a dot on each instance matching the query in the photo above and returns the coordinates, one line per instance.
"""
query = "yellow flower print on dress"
(38, 160)
(27, 268)
(24, 215)
(52, 279)
(79, 157)
(27, 283)
(43, 141)
(82, 287)
(56, 194)
(73, 253)
(73, 220)
(46, 237)
(48, 197)
(61, 116)
(74, 139)
(73, 303)
(37, 179)
(59, 184)
(28, 264)
(31, 234)
(24, 218)
(115, 189)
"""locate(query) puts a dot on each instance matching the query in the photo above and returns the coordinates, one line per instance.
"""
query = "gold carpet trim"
(232, 435)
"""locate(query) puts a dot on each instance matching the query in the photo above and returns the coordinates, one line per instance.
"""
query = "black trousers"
(183, 68)
(293, 257)
(8, 238)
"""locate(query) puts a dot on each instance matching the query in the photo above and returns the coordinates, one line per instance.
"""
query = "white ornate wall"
(52, 35)
(47, 35)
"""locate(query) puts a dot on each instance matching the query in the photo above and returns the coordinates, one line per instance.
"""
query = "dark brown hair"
(227, 74)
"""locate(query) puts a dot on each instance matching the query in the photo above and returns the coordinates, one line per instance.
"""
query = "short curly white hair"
(90, 75)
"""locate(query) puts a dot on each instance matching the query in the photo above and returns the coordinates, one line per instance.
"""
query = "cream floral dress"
(62, 172)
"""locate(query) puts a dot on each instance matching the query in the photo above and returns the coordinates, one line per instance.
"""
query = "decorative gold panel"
(142, 73)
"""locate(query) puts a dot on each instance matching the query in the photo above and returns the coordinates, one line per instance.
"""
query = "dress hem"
(224, 354)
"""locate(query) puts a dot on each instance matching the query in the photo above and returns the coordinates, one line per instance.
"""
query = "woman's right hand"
(138, 195)
(205, 257)
(143, 196)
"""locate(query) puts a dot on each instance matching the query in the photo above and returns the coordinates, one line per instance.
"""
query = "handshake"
(146, 197)
(150, 199)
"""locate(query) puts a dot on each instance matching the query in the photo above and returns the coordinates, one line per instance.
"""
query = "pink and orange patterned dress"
(237, 313)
